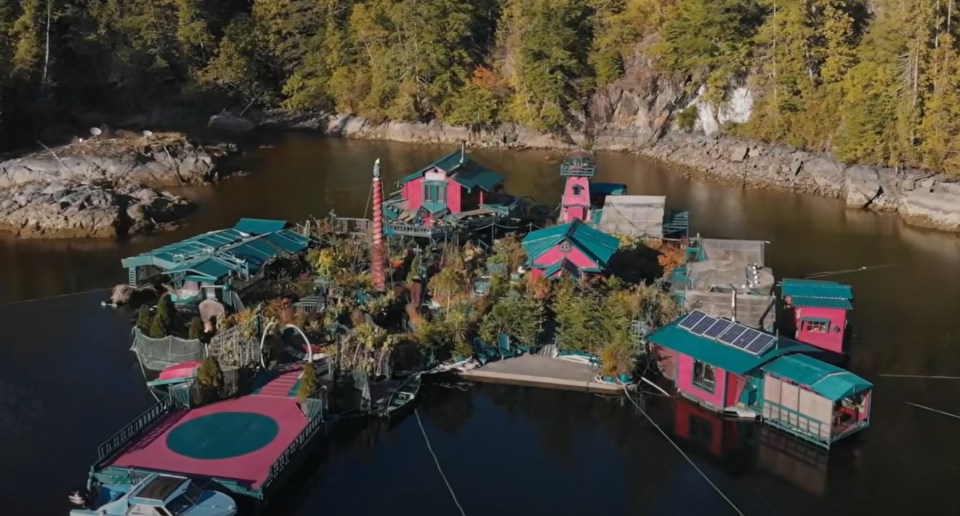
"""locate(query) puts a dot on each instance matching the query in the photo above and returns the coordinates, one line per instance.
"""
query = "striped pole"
(379, 279)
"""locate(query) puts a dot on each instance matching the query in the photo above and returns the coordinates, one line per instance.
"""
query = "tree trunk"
(46, 56)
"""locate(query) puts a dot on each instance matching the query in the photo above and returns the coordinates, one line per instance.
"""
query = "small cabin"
(818, 312)
(453, 184)
(814, 400)
(711, 359)
(573, 248)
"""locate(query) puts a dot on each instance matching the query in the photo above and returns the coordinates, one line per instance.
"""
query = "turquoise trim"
(825, 379)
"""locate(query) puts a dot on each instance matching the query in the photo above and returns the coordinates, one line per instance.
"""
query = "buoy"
(77, 497)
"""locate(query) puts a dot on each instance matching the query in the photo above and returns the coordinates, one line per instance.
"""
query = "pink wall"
(412, 192)
(576, 206)
(685, 383)
(735, 385)
(832, 340)
(667, 361)
(574, 255)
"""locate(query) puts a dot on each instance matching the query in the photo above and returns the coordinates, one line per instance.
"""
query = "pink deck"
(150, 451)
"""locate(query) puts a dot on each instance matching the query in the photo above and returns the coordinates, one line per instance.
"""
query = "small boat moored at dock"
(399, 399)
(158, 494)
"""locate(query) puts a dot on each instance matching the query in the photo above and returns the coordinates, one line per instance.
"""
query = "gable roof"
(594, 243)
(816, 289)
(463, 170)
(260, 226)
(721, 355)
(820, 302)
(827, 380)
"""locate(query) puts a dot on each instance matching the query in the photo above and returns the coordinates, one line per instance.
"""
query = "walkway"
(543, 372)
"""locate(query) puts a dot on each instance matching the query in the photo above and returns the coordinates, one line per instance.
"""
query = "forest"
(873, 81)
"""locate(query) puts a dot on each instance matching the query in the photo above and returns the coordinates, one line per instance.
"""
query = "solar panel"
(731, 334)
(705, 323)
(691, 319)
(760, 344)
(718, 328)
(745, 338)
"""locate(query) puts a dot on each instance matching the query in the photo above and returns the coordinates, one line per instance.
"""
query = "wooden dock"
(542, 372)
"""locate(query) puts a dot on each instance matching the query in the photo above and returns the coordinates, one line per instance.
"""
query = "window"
(435, 192)
(577, 189)
(704, 376)
(179, 505)
(565, 246)
(816, 325)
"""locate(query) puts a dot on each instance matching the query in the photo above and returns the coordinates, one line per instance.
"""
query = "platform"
(238, 439)
(542, 372)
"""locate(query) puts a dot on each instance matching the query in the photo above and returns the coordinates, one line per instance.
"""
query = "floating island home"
(817, 312)
(453, 192)
(729, 367)
(218, 265)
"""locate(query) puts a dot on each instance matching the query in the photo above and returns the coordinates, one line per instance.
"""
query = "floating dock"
(244, 444)
(542, 371)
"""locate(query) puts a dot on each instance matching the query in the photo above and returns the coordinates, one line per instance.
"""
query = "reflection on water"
(67, 379)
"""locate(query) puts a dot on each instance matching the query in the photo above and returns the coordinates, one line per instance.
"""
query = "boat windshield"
(179, 505)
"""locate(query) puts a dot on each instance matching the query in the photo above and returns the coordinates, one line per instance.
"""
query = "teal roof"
(592, 242)
(827, 380)
(564, 264)
(212, 268)
(821, 302)
(232, 246)
(815, 289)
(260, 226)
(462, 169)
(721, 355)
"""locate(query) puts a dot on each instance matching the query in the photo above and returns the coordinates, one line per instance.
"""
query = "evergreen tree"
(158, 329)
(144, 320)
(196, 329)
(165, 309)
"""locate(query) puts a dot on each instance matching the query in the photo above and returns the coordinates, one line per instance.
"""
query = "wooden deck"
(542, 372)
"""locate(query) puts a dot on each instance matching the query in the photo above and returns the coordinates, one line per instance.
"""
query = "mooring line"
(921, 376)
(933, 410)
(24, 301)
(685, 456)
(437, 462)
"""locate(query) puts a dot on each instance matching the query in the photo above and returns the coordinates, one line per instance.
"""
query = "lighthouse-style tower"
(578, 168)
(377, 251)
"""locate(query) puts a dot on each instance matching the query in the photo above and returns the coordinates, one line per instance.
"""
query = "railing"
(299, 442)
(797, 423)
(145, 420)
(415, 230)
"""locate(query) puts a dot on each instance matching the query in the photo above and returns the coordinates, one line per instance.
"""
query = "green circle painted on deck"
(223, 435)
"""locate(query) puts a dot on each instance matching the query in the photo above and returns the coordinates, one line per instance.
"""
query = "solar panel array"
(728, 332)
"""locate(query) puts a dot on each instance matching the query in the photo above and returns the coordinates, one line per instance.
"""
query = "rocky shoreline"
(920, 198)
(105, 187)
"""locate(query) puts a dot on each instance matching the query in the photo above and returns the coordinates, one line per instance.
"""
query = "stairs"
(280, 386)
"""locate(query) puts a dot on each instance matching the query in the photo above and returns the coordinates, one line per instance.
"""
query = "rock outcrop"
(102, 188)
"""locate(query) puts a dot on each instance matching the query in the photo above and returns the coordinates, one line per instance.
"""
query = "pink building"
(573, 248)
(818, 312)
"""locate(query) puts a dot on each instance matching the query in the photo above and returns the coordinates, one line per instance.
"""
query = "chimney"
(463, 151)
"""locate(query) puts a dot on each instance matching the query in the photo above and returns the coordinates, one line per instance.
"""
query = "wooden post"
(379, 279)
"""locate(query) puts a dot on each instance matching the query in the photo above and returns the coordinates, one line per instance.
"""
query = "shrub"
(158, 329)
(687, 118)
(165, 309)
(209, 375)
(308, 382)
(143, 319)
(196, 329)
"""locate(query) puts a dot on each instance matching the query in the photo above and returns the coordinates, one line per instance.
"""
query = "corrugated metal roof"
(289, 241)
(213, 268)
(820, 302)
(472, 174)
(825, 379)
(721, 355)
(815, 288)
(595, 243)
(260, 226)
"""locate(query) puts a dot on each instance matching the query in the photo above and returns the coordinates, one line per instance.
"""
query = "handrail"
(299, 442)
(125, 434)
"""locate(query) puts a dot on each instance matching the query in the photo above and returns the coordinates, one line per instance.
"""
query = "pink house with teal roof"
(573, 248)
(728, 367)
(818, 312)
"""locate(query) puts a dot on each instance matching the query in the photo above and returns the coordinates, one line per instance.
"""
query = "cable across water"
(437, 462)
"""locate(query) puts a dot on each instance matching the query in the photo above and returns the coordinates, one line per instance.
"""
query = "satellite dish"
(95, 131)
(147, 133)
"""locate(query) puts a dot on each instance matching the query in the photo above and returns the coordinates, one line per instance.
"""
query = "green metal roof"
(564, 264)
(467, 172)
(821, 302)
(212, 268)
(260, 226)
(721, 355)
(827, 380)
(593, 242)
(814, 288)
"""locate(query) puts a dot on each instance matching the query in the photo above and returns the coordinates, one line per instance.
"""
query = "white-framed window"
(816, 325)
(704, 376)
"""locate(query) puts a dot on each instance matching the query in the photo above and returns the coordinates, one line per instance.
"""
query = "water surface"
(68, 381)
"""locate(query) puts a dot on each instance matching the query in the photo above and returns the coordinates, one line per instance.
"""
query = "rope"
(685, 456)
(23, 301)
(437, 462)
(933, 410)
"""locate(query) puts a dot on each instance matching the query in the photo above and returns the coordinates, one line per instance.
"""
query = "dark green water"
(68, 381)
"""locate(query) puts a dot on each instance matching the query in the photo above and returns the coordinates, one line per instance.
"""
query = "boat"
(157, 494)
(400, 398)
(176, 373)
